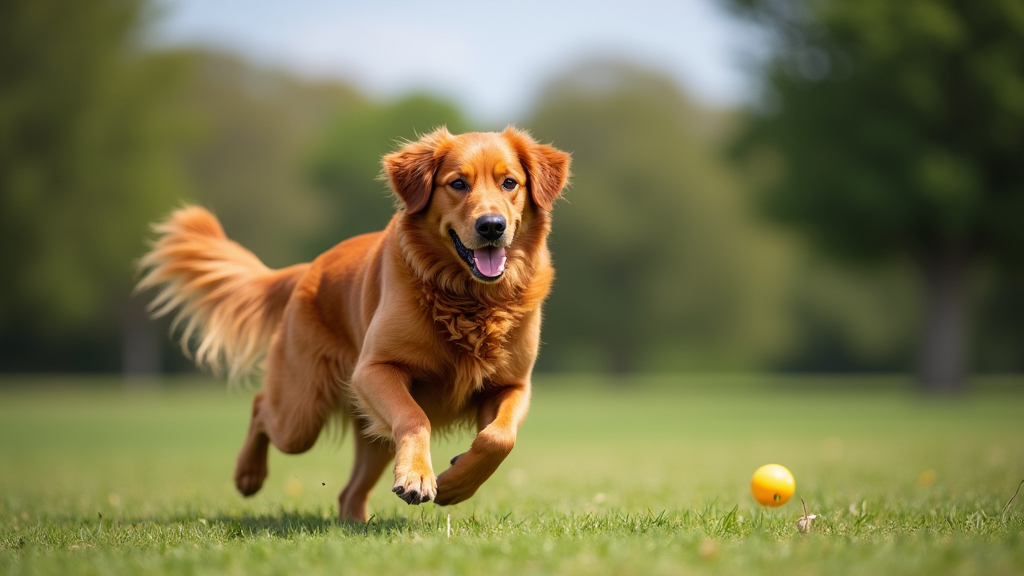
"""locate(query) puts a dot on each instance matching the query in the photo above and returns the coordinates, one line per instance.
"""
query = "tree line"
(860, 217)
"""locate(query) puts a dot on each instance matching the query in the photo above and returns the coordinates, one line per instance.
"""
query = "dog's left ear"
(547, 167)
(410, 169)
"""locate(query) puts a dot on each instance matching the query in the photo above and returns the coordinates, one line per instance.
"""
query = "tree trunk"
(620, 359)
(943, 361)
(140, 347)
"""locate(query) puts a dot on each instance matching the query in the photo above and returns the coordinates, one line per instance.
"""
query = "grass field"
(641, 476)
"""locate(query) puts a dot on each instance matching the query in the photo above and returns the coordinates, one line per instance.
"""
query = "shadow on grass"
(290, 524)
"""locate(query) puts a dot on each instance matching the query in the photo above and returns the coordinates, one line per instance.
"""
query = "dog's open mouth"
(487, 263)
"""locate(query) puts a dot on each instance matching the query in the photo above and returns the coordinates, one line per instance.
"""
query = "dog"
(432, 323)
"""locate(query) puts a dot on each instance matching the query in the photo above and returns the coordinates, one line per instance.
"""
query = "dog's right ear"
(410, 169)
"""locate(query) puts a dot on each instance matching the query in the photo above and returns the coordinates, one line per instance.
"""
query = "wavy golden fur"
(228, 300)
(431, 322)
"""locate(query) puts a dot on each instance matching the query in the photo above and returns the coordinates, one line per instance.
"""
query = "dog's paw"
(352, 511)
(415, 488)
(251, 469)
(453, 488)
(462, 480)
(250, 481)
(251, 466)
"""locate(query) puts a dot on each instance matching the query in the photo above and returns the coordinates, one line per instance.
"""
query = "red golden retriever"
(430, 323)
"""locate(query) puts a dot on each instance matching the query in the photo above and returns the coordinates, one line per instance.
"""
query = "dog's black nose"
(490, 227)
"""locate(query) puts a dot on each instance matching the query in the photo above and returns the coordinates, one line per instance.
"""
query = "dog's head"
(474, 191)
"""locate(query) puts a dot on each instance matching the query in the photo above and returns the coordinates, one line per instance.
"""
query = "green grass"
(644, 476)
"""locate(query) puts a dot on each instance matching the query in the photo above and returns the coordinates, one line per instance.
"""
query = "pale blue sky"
(490, 57)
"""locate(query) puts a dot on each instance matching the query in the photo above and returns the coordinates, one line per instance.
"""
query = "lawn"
(628, 476)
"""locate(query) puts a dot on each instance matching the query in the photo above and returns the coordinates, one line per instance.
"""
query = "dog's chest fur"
(476, 332)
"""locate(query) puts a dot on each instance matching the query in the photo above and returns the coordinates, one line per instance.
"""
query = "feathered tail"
(230, 302)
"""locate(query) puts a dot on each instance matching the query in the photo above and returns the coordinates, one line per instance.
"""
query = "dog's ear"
(547, 167)
(410, 169)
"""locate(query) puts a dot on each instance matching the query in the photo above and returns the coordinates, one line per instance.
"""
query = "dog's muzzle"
(487, 263)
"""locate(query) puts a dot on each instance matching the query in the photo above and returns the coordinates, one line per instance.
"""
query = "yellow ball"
(772, 485)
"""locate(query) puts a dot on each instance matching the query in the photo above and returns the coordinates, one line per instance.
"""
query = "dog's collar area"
(469, 258)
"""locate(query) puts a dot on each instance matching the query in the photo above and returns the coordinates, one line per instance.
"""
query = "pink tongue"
(490, 261)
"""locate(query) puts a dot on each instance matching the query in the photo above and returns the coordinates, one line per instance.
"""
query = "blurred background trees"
(894, 130)
(883, 152)
(659, 265)
(88, 137)
(250, 132)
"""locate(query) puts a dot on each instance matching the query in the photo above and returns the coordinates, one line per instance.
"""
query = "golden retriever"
(432, 322)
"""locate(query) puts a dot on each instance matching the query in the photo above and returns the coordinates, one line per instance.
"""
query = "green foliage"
(888, 128)
(850, 320)
(87, 133)
(658, 264)
(251, 128)
(345, 165)
(97, 481)
(893, 127)
(892, 131)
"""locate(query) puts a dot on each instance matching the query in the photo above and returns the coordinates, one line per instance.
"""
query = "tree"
(253, 129)
(658, 265)
(895, 130)
(87, 134)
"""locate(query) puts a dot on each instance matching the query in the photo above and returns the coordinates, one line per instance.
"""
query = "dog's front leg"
(383, 392)
(500, 416)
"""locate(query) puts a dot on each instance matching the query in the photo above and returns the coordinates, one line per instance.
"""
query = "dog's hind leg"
(292, 427)
(300, 392)
(372, 457)
(251, 468)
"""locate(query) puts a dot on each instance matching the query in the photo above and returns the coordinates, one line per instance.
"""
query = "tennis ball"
(772, 485)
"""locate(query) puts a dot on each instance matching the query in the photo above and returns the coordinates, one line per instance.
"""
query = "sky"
(491, 57)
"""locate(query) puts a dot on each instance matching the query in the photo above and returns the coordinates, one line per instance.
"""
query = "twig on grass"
(1010, 501)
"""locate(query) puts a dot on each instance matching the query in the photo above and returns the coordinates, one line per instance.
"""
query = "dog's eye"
(509, 184)
(459, 184)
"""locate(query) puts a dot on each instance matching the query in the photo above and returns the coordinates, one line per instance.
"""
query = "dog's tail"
(230, 302)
